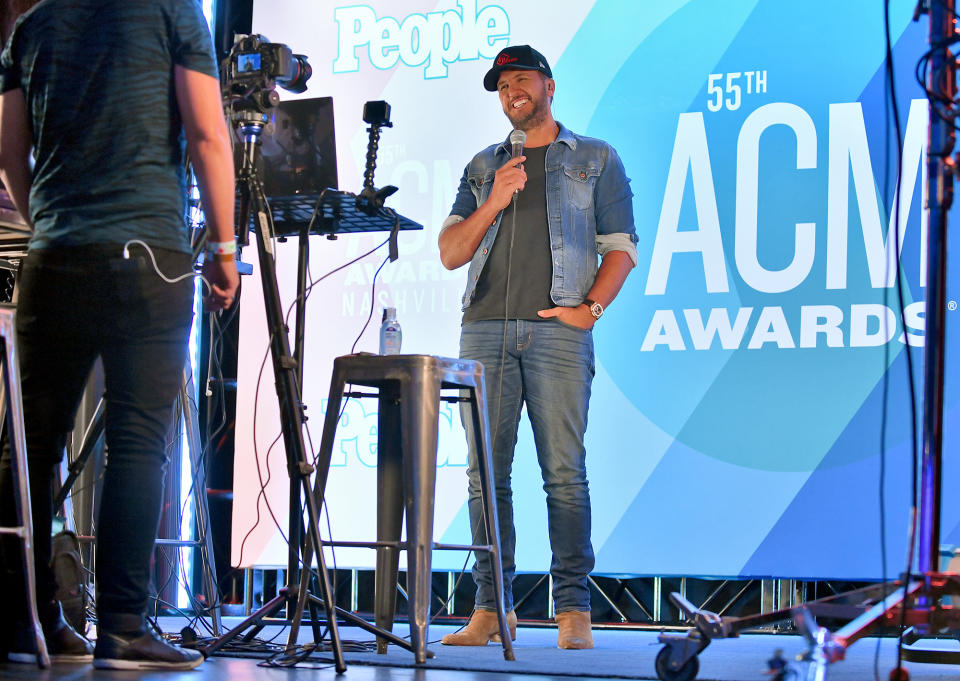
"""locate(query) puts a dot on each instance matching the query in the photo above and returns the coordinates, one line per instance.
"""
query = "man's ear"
(551, 85)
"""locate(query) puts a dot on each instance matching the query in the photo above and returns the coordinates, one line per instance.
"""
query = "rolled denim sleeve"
(617, 242)
(450, 222)
(614, 209)
(463, 206)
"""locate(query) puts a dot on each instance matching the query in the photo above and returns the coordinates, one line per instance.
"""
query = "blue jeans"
(548, 366)
(77, 304)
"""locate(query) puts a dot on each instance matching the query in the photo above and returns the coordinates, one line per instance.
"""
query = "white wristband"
(221, 247)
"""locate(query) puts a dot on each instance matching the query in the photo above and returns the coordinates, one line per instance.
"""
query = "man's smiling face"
(525, 97)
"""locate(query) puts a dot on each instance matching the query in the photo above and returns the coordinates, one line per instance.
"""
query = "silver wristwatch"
(596, 309)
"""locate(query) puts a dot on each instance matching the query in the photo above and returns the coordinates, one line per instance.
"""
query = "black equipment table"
(337, 212)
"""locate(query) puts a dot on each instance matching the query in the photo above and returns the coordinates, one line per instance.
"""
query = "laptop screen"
(298, 148)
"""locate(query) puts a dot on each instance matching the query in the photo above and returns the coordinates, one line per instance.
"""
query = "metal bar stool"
(409, 409)
(11, 408)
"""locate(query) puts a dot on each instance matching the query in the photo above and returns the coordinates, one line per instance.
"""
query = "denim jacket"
(589, 210)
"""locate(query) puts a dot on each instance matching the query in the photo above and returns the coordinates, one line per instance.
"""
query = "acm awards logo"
(852, 230)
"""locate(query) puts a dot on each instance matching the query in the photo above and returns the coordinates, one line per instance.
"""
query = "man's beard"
(528, 121)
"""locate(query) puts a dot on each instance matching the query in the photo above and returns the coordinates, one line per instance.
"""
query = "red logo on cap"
(506, 59)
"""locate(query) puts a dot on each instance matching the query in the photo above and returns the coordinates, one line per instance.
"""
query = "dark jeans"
(76, 305)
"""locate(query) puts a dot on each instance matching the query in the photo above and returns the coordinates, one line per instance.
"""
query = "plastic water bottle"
(390, 333)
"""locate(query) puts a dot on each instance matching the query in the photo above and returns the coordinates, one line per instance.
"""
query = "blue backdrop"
(736, 418)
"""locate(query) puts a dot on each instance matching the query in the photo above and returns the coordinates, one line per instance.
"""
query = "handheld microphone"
(517, 139)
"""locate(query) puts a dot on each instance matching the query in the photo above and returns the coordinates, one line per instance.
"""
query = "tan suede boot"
(573, 630)
(482, 628)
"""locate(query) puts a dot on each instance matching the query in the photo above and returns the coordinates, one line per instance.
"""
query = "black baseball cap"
(516, 58)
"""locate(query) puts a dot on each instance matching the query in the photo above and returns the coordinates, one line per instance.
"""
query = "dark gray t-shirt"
(97, 76)
(531, 269)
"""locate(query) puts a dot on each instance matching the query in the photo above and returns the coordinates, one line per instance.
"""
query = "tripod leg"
(253, 202)
(288, 393)
(307, 580)
(268, 609)
(301, 600)
(313, 535)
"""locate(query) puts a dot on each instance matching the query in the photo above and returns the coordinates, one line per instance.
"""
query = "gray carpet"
(631, 653)
(619, 654)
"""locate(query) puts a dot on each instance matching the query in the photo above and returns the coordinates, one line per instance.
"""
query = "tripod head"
(253, 70)
(256, 66)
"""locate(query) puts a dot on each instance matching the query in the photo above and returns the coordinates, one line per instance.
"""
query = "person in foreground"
(108, 94)
(531, 228)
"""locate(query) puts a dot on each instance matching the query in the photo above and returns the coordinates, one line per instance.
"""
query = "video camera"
(257, 66)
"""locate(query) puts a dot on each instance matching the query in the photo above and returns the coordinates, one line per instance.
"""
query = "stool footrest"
(368, 544)
(463, 547)
(179, 542)
(443, 398)
(402, 545)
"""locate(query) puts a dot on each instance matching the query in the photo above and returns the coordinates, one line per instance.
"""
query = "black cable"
(307, 434)
(886, 348)
(177, 568)
(901, 296)
(216, 422)
(373, 293)
(216, 404)
(325, 509)
(940, 102)
(258, 188)
(496, 431)
(201, 530)
(195, 469)
(262, 493)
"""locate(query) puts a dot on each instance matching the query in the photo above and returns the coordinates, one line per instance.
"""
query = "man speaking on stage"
(530, 217)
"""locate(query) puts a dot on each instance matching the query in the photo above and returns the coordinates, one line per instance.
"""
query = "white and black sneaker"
(141, 650)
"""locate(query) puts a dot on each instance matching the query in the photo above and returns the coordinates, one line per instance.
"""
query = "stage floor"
(619, 653)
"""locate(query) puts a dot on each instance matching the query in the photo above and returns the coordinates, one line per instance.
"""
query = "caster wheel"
(687, 672)
(899, 674)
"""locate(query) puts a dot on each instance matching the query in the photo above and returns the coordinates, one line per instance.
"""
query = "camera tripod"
(250, 125)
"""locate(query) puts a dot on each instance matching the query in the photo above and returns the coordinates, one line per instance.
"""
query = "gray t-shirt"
(531, 269)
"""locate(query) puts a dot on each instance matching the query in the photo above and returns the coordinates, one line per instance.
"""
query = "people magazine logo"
(434, 40)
